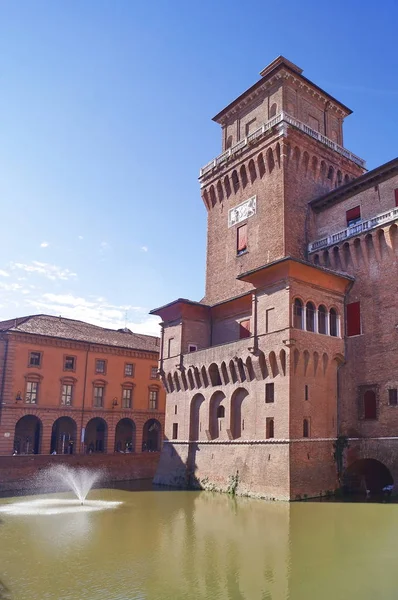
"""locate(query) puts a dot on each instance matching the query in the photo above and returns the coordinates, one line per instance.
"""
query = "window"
(244, 329)
(154, 372)
(129, 370)
(169, 346)
(269, 427)
(192, 347)
(333, 323)
(98, 396)
(241, 239)
(306, 395)
(322, 319)
(220, 412)
(393, 397)
(66, 396)
(153, 399)
(353, 317)
(35, 359)
(250, 126)
(269, 320)
(353, 216)
(100, 366)
(32, 388)
(175, 431)
(175, 409)
(369, 405)
(306, 428)
(69, 363)
(298, 314)
(269, 392)
(396, 197)
(127, 396)
(310, 317)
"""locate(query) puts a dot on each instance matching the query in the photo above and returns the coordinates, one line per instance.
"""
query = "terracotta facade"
(264, 374)
(71, 388)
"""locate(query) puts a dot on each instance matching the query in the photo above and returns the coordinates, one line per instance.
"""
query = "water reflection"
(202, 546)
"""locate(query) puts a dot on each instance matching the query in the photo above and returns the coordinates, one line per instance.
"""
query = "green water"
(199, 545)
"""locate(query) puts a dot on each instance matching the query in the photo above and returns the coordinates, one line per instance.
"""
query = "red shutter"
(396, 197)
(242, 238)
(244, 329)
(353, 214)
(353, 319)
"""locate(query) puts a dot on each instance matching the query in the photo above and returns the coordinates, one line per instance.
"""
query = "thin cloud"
(144, 248)
(80, 237)
(52, 272)
(4, 273)
(44, 245)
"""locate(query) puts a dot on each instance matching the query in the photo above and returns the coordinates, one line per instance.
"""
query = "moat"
(174, 545)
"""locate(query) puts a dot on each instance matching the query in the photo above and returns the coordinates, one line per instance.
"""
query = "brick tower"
(251, 370)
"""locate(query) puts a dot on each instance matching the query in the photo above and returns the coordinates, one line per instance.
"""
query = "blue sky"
(105, 119)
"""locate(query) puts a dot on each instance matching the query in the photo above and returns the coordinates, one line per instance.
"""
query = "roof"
(358, 184)
(271, 69)
(79, 331)
(278, 261)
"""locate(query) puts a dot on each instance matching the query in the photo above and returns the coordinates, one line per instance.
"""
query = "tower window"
(333, 323)
(220, 412)
(306, 395)
(306, 428)
(269, 425)
(322, 319)
(353, 319)
(353, 216)
(298, 314)
(369, 405)
(269, 392)
(241, 242)
(393, 397)
(175, 431)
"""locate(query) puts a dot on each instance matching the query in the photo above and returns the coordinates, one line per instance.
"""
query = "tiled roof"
(59, 327)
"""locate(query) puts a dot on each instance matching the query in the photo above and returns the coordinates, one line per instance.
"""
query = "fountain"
(62, 477)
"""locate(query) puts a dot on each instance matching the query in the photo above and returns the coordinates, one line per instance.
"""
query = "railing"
(282, 117)
(357, 229)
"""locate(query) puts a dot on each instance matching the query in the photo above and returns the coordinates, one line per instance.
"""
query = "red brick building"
(294, 344)
(71, 387)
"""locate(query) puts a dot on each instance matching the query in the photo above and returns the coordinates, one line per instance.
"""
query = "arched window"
(333, 324)
(272, 110)
(322, 319)
(220, 412)
(235, 181)
(298, 314)
(306, 428)
(310, 317)
(369, 405)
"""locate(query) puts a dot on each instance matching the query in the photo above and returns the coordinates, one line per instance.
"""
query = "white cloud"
(44, 245)
(105, 245)
(98, 311)
(144, 248)
(4, 273)
(80, 237)
(52, 272)
(10, 287)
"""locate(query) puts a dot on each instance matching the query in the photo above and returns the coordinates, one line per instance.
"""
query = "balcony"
(282, 117)
(349, 232)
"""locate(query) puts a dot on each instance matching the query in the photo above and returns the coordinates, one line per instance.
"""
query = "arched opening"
(224, 372)
(176, 382)
(190, 380)
(326, 258)
(310, 316)
(270, 160)
(306, 160)
(272, 110)
(331, 173)
(346, 178)
(314, 166)
(367, 474)
(96, 435)
(205, 379)
(220, 192)
(262, 364)
(369, 405)
(273, 364)
(214, 374)
(227, 186)
(339, 179)
(333, 323)
(238, 425)
(322, 319)
(323, 169)
(27, 437)
(151, 436)
(125, 436)
(278, 153)
(261, 165)
(197, 377)
(232, 369)
(241, 370)
(212, 195)
(235, 181)
(243, 176)
(195, 422)
(298, 314)
(296, 156)
(252, 171)
(63, 436)
(229, 142)
(215, 422)
(170, 385)
(282, 358)
(316, 259)
(249, 369)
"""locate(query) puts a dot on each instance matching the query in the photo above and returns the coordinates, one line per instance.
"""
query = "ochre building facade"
(69, 387)
(294, 347)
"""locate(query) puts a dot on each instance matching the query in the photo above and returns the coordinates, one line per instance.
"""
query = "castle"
(282, 381)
